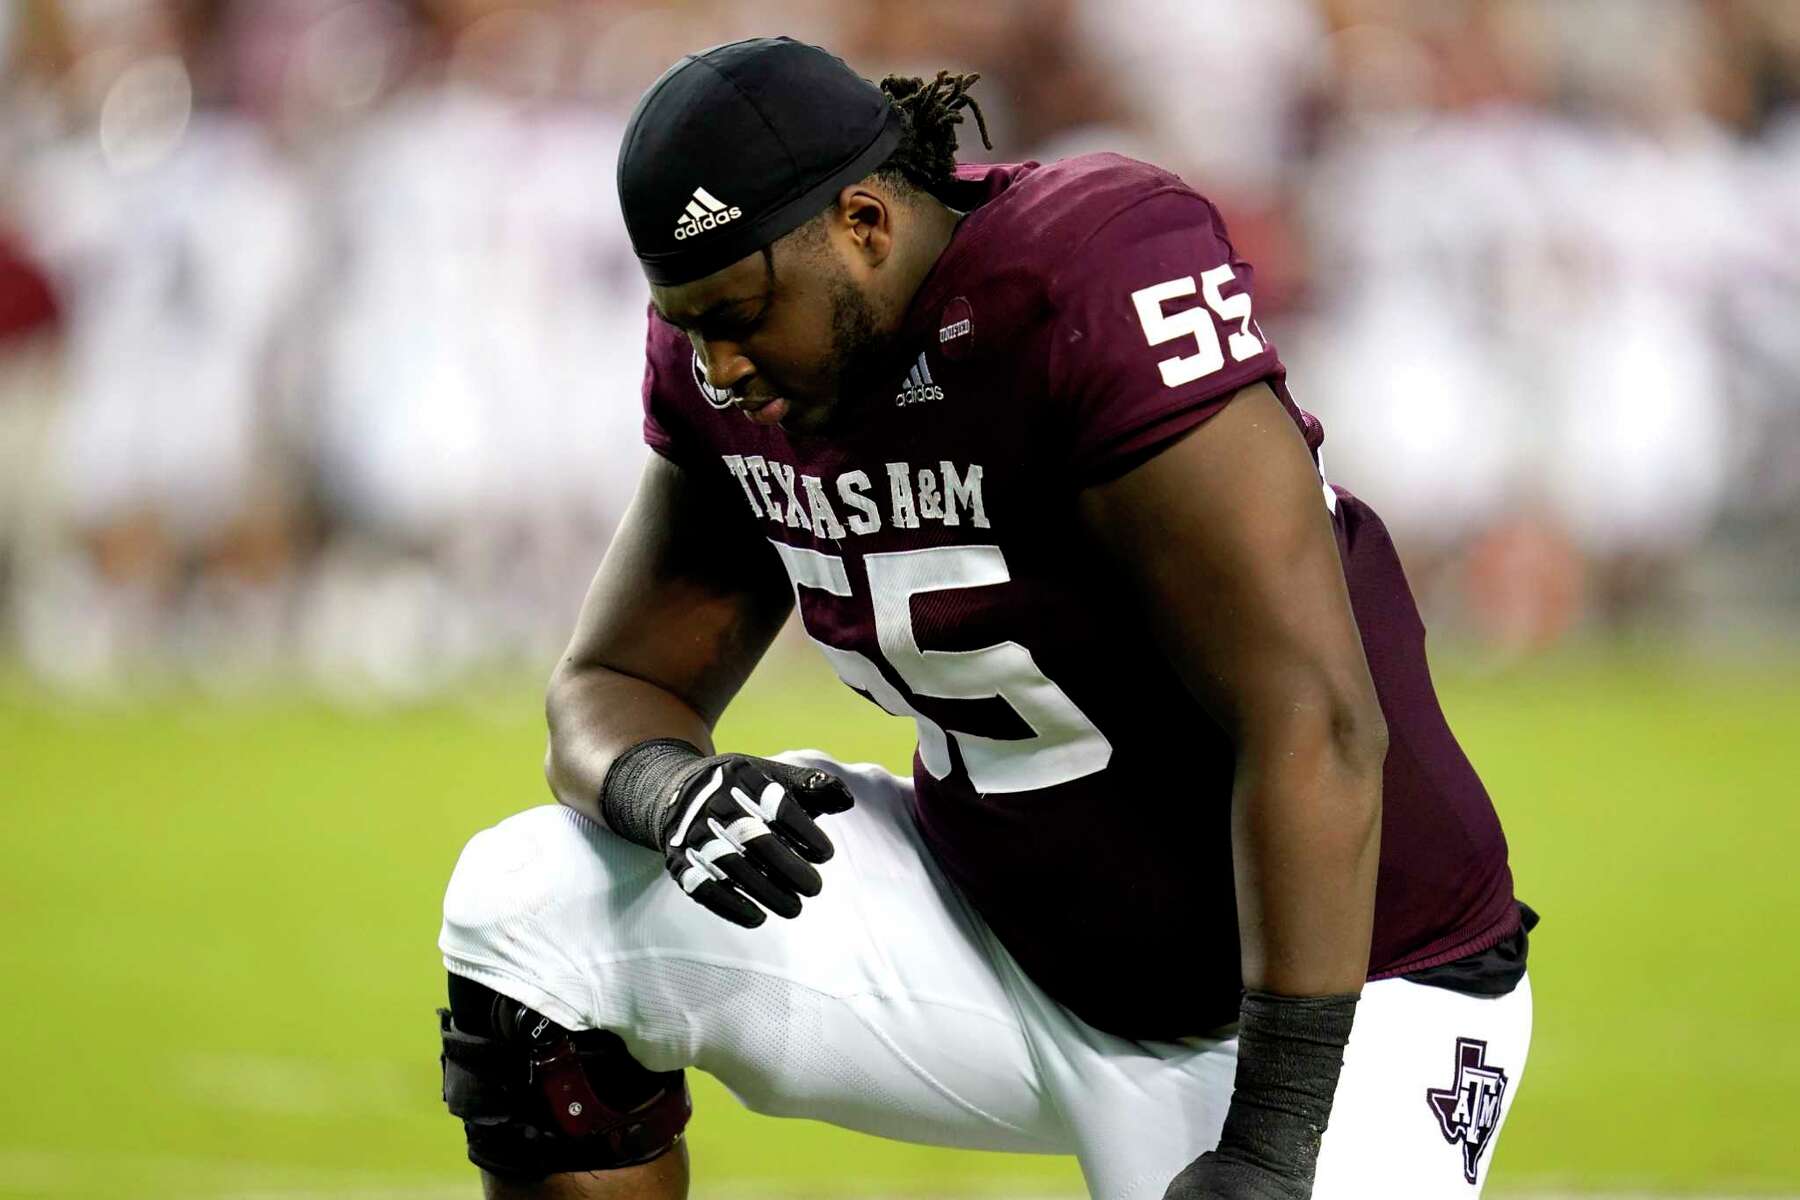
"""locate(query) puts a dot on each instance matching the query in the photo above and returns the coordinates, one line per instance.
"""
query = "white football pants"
(888, 1007)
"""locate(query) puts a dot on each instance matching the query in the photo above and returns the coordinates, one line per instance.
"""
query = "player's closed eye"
(730, 329)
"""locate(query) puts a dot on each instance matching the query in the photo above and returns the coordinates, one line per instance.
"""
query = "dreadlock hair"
(929, 114)
(925, 159)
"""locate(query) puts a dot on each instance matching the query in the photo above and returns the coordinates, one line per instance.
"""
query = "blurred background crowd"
(320, 337)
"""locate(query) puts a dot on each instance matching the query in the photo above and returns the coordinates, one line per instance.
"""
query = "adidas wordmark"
(703, 212)
(919, 387)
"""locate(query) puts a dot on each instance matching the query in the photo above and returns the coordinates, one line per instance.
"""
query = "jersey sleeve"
(1153, 328)
(669, 389)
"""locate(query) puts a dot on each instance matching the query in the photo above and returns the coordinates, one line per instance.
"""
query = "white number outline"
(1064, 745)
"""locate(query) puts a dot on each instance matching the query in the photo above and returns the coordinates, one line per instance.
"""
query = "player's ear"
(869, 222)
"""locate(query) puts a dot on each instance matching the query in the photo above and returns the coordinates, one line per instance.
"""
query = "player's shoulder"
(1074, 209)
(1046, 235)
(1083, 190)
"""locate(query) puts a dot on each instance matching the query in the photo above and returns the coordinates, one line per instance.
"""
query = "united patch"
(956, 329)
(1468, 1111)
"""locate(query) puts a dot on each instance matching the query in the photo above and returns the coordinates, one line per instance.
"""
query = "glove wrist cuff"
(640, 787)
(1290, 1053)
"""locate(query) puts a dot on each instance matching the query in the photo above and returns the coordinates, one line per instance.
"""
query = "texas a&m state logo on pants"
(1468, 1111)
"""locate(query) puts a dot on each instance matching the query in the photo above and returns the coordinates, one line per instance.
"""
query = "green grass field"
(219, 919)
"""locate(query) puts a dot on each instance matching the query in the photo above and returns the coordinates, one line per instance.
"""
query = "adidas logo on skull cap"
(705, 211)
(789, 123)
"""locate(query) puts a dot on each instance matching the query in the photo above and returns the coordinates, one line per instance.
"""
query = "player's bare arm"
(1227, 541)
(678, 614)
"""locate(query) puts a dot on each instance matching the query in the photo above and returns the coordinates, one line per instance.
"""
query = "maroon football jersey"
(1084, 316)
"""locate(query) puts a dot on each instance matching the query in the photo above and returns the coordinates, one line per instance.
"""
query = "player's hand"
(740, 836)
(1211, 1177)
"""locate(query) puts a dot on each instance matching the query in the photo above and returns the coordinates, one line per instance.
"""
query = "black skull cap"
(741, 144)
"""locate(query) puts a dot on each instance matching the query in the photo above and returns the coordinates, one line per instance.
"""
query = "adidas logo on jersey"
(919, 387)
(704, 212)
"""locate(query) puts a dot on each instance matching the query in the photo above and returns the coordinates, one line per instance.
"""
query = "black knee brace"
(537, 1099)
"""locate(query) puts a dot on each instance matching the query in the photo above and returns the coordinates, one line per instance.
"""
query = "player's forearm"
(1306, 831)
(596, 713)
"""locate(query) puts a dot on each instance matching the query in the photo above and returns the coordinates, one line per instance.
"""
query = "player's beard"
(860, 357)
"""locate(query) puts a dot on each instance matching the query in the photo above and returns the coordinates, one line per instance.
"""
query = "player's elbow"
(560, 757)
(1339, 737)
(1359, 735)
(552, 719)
(563, 777)
(559, 693)
(1358, 744)
(550, 767)
(1316, 719)
(567, 709)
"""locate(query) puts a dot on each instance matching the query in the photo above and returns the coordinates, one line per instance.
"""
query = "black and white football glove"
(736, 832)
(740, 834)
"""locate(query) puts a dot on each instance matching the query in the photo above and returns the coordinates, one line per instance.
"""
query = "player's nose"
(725, 365)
